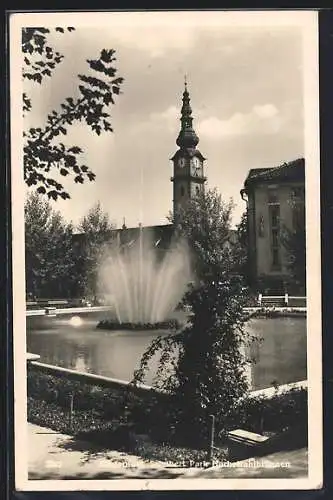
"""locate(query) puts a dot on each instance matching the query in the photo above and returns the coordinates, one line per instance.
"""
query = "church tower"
(188, 163)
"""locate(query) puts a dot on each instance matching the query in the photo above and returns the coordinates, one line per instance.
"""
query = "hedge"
(283, 411)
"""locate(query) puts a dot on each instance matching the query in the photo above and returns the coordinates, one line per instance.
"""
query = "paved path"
(57, 456)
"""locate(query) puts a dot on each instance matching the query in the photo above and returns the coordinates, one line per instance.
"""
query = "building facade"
(275, 203)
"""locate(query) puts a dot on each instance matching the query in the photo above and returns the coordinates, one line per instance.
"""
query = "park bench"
(244, 444)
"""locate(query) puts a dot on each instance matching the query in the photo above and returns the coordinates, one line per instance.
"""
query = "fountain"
(146, 284)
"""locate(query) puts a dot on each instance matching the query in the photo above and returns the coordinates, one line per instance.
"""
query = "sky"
(246, 88)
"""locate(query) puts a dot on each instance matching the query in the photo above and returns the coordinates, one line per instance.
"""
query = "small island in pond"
(171, 324)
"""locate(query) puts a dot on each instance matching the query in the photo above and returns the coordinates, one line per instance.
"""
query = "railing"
(285, 300)
(52, 311)
(58, 303)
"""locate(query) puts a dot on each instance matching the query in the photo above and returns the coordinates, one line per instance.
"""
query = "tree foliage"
(49, 258)
(203, 367)
(206, 225)
(95, 228)
(243, 247)
(46, 158)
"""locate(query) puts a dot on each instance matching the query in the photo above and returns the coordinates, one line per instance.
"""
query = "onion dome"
(187, 138)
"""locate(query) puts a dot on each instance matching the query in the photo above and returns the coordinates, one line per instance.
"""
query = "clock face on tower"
(196, 166)
(181, 162)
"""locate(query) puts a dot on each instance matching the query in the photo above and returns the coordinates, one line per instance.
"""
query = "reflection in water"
(80, 364)
(75, 321)
(281, 357)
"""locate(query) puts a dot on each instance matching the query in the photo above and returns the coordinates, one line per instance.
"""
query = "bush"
(268, 312)
(285, 413)
(57, 389)
(109, 404)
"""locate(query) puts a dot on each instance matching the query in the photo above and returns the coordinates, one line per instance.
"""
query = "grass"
(90, 426)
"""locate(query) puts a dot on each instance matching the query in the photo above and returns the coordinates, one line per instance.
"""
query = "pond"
(72, 341)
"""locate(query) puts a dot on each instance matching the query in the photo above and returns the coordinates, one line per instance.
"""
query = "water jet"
(147, 284)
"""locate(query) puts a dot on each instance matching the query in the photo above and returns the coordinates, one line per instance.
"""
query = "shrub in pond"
(108, 324)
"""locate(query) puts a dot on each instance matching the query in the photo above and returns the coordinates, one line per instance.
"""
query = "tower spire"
(188, 162)
(187, 138)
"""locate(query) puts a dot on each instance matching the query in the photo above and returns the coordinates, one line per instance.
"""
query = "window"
(274, 219)
(298, 216)
(275, 258)
(297, 207)
(275, 239)
(298, 193)
(182, 191)
(272, 197)
(261, 229)
(197, 190)
(275, 215)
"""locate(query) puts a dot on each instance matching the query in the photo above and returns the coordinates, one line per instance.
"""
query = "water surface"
(77, 344)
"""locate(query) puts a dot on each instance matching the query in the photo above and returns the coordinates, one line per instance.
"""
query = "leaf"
(96, 65)
(107, 55)
(52, 194)
(63, 171)
(107, 126)
(70, 160)
(75, 149)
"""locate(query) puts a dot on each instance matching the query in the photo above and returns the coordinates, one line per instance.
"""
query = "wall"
(141, 389)
(262, 256)
(120, 386)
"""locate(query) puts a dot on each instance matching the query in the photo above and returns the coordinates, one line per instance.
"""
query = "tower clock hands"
(196, 167)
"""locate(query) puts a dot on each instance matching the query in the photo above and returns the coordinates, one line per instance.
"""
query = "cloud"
(166, 120)
(262, 119)
(155, 40)
(265, 111)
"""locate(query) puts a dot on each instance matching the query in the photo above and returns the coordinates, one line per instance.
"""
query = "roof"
(189, 153)
(287, 172)
(160, 235)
